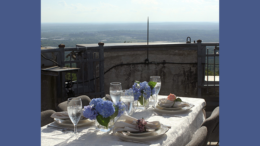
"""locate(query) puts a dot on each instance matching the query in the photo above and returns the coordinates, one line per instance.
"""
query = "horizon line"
(138, 22)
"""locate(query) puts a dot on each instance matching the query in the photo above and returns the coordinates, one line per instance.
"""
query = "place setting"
(71, 119)
(130, 129)
(172, 105)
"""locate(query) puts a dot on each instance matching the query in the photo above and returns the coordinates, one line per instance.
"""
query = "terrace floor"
(211, 78)
(212, 143)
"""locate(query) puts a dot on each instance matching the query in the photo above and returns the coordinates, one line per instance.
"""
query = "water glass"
(115, 91)
(156, 79)
(74, 108)
(127, 97)
(157, 87)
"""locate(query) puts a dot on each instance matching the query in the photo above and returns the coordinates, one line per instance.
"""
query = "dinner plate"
(68, 122)
(155, 134)
(141, 133)
(168, 110)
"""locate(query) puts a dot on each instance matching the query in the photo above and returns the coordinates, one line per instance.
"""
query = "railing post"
(61, 48)
(101, 68)
(199, 83)
(61, 78)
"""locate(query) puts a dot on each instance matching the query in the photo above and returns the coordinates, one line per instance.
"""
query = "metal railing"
(212, 66)
(90, 78)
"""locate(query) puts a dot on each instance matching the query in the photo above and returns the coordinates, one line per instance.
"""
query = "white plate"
(69, 123)
(183, 109)
(155, 134)
(140, 134)
(168, 108)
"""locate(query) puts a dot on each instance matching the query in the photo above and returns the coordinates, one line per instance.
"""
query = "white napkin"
(60, 115)
(180, 104)
(64, 115)
(127, 123)
(164, 102)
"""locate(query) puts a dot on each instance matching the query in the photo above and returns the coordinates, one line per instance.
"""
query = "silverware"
(164, 114)
(135, 141)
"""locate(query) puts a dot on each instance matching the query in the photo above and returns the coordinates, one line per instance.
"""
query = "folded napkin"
(180, 104)
(63, 115)
(128, 123)
(164, 102)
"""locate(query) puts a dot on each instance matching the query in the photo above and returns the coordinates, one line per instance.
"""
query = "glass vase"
(103, 128)
(153, 100)
(142, 103)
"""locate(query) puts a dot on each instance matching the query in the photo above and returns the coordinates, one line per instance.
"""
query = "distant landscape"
(71, 34)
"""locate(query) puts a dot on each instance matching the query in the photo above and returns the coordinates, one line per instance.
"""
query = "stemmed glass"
(115, 91)
(127, 97)
(157, 87)
(74, 108)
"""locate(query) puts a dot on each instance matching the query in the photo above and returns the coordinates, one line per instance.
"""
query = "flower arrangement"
(141, 125)
(143, 90)
(172, 97)
(103, 110)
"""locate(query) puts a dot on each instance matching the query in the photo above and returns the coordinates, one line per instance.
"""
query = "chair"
(211, 123)
(214, 136)
(85, 101)
(46, 117)
(199, 137)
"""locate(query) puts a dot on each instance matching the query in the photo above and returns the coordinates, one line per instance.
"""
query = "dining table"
(182, 127)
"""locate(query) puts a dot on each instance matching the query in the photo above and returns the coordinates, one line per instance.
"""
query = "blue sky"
(92, 11)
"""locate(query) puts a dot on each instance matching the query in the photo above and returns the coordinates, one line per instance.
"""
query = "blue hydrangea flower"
(95, 101)
(143, 85)
(129, 92)
(90, 112)
(136, 91)
(142, 88)
(121, 108)
(147, 92)
(153, 91)
(105, 108)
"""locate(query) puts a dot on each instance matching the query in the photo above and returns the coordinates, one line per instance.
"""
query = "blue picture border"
(239, 68)
(20, 72)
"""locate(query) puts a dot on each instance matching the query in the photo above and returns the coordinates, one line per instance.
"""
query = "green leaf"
(138, 82)
(142, 101)
(115, 113)
(152, 84)
(178, 99)
(103, 121)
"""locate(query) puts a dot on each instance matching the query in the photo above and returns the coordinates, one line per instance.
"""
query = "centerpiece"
(142, 92)
(103, 112)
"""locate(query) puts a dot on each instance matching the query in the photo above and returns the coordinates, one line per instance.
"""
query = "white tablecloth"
(182, 125)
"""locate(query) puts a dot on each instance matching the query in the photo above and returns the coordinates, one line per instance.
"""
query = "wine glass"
(157, 87)
(115, 91)
(74, 108)
(127, 97)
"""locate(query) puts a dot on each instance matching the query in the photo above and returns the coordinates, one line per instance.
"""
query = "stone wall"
(178, 75)
(179, 79)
